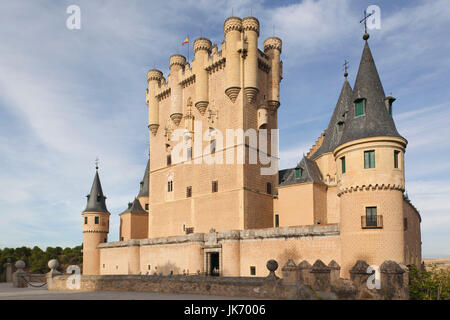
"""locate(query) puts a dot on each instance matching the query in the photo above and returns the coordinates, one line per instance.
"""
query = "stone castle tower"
(95, 227)
(197, 212)
(236, 87)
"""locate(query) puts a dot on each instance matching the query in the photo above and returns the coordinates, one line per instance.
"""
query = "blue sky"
(68, 96)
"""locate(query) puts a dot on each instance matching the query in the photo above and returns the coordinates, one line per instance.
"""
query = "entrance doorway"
(214, 264)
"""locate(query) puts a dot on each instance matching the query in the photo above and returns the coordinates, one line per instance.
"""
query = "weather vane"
(366, 35)
(345, 65)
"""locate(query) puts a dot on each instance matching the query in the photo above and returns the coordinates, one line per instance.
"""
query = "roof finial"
(366, 35)
(96, 163)
(345, 65)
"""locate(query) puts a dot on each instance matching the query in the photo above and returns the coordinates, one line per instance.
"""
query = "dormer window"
(360, 107)
(340, 126)
(298, 173)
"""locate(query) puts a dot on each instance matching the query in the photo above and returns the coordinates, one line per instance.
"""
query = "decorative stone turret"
(272, 48)
(154, 80)
(202, 50)
(251, 34)
(176, 63)
(95, 227)
(232, 29)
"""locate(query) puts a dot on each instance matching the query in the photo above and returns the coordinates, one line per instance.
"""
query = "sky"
(69, 96)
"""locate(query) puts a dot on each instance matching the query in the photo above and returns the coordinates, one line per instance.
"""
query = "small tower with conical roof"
(134, 220)
(95, 227)
(370, 173)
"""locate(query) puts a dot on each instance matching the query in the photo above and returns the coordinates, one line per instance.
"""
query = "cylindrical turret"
(251, 34)
(176, 62)
(154, 80)
(202, 49)
(272, 47)
(371, 184)
(232, 29)
(95, 231)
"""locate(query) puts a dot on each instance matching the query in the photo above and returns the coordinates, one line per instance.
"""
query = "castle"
(197, 214)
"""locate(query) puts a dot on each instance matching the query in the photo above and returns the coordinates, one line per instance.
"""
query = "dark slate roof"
(135, 207)
(309, 173)
(376, 121)
(337, 121)
(144, 189)
(96, 199)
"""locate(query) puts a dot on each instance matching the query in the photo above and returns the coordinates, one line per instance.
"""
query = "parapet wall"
(302, 282)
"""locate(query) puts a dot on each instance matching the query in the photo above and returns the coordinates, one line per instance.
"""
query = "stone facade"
(218, 218)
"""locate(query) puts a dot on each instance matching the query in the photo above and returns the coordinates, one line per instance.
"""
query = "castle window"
(343, 164)
(170, 186)
(340, 125)
(269, 188)
(215, 186)
(189, 153)
(371, 220)
(189, 192)
(169, 160)
(396, 153)
(106, 240)
(253, 271)
(360, 107)
(146, 206)
(149, 267)
(213, 146)
(369, 159)
(277, 220)
(96, 220)
(85, 220)
(298, 173)
(121, 238)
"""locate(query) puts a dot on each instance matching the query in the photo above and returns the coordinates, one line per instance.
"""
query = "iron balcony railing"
(372, 222)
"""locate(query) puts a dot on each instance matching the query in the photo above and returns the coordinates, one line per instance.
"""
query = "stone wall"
(301, 282)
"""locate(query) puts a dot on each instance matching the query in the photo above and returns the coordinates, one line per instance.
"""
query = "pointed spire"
(145, 183)
(96, 199)
(337, 122)
(375, 120)
(135, 207)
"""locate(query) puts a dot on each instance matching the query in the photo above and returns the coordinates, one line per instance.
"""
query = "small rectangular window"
(170, 186)
(369, 159)
(277, 220)
(149, 267)
(189, 192)
(297, 173)
(85, 220)
(371, 216)
(189, 153)
(169, 160)
(343, 164)
(96, 221)
(146, 206)
(215, 186)
(396, 153)
(213, 146)
(269, 188)
(253, 271)
(121, 238)
(359, 107)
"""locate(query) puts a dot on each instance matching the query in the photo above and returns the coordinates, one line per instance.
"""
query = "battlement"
(238, 53)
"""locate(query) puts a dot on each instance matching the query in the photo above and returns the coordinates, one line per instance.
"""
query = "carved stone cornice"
(232, 24)
(371, 187)
(251, 23)
(202, 44)
(272, 43)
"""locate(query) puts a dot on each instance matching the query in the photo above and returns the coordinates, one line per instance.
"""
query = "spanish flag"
(185, 41)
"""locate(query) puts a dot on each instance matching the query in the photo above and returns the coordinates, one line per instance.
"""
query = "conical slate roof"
(144, 189)
(310, 173)
(376, 121)
(135, 207)
(96, 199)
(337, 121)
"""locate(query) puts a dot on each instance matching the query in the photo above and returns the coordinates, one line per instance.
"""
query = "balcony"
(372, 222)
